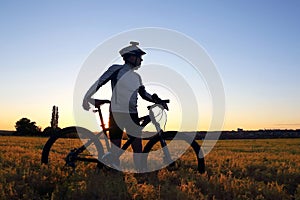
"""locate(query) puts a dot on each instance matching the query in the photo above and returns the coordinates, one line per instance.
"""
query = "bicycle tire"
(65, 134)
(195, 146)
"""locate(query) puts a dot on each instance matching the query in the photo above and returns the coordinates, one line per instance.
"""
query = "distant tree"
(53, 128)
(54, 118)
(25, 127)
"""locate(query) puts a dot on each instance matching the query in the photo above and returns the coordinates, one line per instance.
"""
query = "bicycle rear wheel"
(193, 151)
(70, 146)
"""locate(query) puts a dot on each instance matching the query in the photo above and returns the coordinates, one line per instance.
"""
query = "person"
(126, 84)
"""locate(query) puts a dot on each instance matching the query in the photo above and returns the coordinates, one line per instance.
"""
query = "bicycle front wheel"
(155, 155)
(74, 146)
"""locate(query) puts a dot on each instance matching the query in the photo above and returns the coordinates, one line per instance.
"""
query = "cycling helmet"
(132, 50)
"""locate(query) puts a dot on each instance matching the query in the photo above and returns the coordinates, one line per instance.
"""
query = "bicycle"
(92, 151)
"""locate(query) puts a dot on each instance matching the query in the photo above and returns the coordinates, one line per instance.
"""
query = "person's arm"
(144, 94)
(148, 97)
(100, 82)
(152, 98)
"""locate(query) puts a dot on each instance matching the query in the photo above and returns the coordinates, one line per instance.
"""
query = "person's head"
(132, 54)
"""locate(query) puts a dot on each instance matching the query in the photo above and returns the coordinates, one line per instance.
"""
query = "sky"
(254, 45)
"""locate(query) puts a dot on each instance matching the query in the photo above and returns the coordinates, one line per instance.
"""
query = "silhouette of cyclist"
(126, 84)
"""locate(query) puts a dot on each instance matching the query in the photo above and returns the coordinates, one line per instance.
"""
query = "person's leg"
(137, 156)
(115, 136)
(137, 143)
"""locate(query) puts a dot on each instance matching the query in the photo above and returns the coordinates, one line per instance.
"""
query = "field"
(236, 169)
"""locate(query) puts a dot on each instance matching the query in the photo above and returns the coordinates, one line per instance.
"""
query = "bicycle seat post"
(101, 118)
(97, 103)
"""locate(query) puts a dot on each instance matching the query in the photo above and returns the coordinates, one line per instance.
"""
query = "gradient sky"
(254, 44)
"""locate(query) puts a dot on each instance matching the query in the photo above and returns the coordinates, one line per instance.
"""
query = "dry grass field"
(236, 169)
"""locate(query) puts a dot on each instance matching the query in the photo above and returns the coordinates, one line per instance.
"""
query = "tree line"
(26, 127)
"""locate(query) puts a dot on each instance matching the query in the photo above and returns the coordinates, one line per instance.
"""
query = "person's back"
(125, 92)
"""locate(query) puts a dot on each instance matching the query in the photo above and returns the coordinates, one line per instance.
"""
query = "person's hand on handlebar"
(165, 105)
(158, 100)
(85, 104)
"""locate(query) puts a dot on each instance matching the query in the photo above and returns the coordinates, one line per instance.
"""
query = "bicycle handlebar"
(100, 102)
(163, 103)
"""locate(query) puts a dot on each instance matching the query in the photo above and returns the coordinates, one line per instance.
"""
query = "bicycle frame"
(145, 120)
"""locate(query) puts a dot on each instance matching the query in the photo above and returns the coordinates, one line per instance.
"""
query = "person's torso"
(125, 84)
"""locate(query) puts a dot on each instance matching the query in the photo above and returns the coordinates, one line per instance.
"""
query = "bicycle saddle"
(99, 102)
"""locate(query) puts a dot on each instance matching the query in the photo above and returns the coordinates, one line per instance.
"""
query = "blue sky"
(254, 44)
